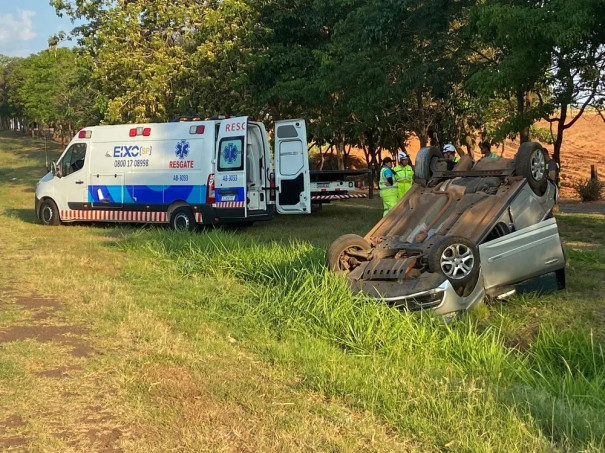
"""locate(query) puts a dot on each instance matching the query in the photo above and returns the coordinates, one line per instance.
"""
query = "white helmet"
(403, 155)
(449, 148)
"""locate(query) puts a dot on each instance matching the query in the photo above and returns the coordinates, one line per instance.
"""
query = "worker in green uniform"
(386, 183)
(486, 151)
(404, 174)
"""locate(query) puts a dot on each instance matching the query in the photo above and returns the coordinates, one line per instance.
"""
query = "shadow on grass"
(26, 215)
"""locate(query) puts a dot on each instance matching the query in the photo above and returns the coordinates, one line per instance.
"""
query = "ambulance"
(183, 174)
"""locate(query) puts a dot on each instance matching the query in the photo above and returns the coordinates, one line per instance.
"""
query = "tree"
(8, 111)
(577, 75)
(138, 47)
(543, 57)
(55, 91)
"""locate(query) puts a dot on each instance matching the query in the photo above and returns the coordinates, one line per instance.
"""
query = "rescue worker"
(552, 169)
(386, 183)
(552, 172)
(486, 151)
(449, 152)
(404, 174)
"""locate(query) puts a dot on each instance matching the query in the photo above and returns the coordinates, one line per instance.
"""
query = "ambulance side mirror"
(54, 169)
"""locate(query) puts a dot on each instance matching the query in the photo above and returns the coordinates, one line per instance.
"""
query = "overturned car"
(463, 231)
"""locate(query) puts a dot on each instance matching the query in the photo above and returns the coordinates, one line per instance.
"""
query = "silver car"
(463, 231)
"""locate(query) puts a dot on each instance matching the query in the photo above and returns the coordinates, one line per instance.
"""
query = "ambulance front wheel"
(182, 220)
(49, 214)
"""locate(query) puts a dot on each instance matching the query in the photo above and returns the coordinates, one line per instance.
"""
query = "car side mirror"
(55, 169)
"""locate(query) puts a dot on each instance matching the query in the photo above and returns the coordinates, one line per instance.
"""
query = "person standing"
(386, 184)
(552, 171)
(486, 151)
(404, 174)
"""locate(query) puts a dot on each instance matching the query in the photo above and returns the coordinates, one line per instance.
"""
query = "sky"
(25, 26)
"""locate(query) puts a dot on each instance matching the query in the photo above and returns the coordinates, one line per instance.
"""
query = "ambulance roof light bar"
(144, 131)
(84, 134)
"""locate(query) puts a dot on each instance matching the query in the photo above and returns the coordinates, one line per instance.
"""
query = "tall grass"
(409, 368)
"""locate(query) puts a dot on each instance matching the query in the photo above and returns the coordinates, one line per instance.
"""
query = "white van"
(182, 173)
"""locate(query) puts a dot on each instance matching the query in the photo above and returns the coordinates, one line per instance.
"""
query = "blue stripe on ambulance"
(130, 194)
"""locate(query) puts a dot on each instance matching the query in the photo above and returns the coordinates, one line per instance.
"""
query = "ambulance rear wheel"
(49, 214)
(182, 220)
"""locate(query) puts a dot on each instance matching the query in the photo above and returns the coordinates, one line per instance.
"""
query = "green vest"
(383, 183)
(404, 177)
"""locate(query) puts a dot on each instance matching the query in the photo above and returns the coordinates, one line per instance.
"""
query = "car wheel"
(182, 220)
(49, 214)
(316, 207)
(426, 159)
(340, 256)
(530, 163)
(457, 258)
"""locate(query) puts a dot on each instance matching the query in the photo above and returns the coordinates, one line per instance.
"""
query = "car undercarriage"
(451, 239)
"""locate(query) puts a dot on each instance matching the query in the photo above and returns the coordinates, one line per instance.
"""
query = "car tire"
(337, 256)
(457, 258)
(425, 165)
(530, 163)
(49, 213)
(182, 220)
(316, 207)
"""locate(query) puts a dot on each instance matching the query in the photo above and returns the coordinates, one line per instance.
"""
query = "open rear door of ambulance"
(230, 178)
(292, 168)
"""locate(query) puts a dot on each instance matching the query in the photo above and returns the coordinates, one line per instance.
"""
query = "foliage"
(7, 110)
(542, 134)
(53, 88)
(540, 57)
(368, 73)
(590, 189)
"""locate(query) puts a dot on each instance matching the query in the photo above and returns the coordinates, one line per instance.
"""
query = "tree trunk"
(521, 104)
(556, 154)
(422, 130)
(340, 151)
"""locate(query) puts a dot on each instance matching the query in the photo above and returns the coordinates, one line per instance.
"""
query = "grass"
(240, 340)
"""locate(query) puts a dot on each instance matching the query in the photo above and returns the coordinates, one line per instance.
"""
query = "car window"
(73, 160)
(500, 229)
(231, 154)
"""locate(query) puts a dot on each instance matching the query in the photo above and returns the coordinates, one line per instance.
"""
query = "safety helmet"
(403, 155)
(449, 148)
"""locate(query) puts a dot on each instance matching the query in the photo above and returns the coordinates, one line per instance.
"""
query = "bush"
(542, 135)
(590, 189)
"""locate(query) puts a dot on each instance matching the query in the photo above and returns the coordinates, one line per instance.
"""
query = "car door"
(292, 168)
(71, 185)
(230, 181)
(521, 255)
